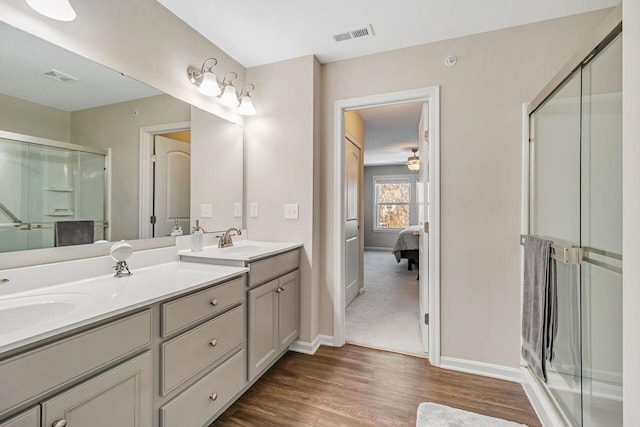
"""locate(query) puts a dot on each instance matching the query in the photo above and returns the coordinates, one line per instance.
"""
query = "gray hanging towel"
(539, 305)
(68, 233)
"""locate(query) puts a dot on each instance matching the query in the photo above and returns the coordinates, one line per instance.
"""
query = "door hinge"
(426, 318)
(426, 227)
(152, 219)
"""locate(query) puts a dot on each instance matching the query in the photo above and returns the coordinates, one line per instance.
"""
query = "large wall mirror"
(88, 155)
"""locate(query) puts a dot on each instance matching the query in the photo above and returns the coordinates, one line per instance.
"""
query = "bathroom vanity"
(174, 344)
(273, 295)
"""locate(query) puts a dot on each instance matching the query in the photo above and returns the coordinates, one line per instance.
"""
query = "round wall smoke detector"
(450, 61)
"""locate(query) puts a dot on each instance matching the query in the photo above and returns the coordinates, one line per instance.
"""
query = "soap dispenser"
(196, 237)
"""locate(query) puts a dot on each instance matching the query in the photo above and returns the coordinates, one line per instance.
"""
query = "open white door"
(172, 185)
(352, 226)
(422, 194)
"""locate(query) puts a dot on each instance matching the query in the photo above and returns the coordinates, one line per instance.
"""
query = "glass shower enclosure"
(575, 200)
(43, 182)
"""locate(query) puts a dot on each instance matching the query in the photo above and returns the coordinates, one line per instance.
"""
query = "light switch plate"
(291, 211)
(237, 210)
(253, 210)
(205, 210)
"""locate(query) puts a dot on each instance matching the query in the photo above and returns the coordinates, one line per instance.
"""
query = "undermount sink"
(26, 311)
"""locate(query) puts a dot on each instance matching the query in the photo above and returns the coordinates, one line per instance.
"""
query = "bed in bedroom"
(407, 246)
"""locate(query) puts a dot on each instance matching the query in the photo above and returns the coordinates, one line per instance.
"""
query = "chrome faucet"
(225, 240)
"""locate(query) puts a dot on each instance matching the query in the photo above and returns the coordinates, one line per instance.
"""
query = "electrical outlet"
(253, 210)
(237, 210)
(205, 210)
(291, 211)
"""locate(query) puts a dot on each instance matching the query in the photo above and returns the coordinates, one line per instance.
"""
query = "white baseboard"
(376, 248)
(311, 347)
(542, 404)
(481, 368)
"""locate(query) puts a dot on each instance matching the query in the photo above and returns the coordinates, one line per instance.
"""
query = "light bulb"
(59, 10)
(246, 106)
(209, 84)
(229, 97)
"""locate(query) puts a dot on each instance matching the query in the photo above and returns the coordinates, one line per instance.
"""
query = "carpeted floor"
(386, 316)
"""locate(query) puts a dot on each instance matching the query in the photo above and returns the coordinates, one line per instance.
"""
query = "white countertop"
(243, 250)
(63, 307)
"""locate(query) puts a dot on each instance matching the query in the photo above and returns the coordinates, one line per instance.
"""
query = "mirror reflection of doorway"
(171, 183)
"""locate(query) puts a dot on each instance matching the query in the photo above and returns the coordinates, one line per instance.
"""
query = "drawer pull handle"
(59, 423)
(214, 396)
(214, 302)
(213, 342)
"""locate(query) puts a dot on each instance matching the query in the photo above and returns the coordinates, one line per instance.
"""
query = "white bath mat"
(434, 415)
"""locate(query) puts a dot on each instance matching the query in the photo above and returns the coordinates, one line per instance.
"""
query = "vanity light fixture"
(60, 10)
(246, 103)
(205, 78)
(413, 162)
(229, 95)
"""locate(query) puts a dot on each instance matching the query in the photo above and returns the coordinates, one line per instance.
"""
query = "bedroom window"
(392, 203)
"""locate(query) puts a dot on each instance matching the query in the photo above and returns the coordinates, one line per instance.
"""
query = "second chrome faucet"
(225, 239)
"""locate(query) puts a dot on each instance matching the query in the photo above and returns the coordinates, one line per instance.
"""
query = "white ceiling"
(390, 133)
(256, 32)
(23, 57)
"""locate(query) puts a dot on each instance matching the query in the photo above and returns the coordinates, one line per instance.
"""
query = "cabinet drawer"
(201, 401)
(30, 418)
(261, 271)
(188, 310)
(43, 369)
(187, 354)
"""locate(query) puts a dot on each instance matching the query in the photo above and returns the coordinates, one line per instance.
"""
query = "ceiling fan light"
(60, 10)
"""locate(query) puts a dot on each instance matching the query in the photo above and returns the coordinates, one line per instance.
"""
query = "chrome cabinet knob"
(283, 288)
(59, 423)
(213, 396)
(213, 342)
(214, 302)
(278, 290)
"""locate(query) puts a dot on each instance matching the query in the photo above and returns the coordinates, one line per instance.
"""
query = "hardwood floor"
(357, 386)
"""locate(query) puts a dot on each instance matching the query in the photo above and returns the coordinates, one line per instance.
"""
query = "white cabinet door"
(121, 397)
(263, 327)
(288, 309)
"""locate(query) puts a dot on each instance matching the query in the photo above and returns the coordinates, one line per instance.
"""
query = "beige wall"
(280, 164)
(217, 156)
(631, 210)
(354, 124)
(29, 118)
(481, 102)
(116, 127)
(139, 38)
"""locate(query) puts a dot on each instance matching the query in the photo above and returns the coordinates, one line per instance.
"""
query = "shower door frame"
(611, 27)
(34, 140)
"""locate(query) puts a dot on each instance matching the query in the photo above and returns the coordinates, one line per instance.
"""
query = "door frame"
(146, 172)
(432, 96)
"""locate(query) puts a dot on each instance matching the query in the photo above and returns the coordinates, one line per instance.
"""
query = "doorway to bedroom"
(385, 216)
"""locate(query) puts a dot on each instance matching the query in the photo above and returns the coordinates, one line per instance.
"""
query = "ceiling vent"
(58, 76)
(358, 33)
